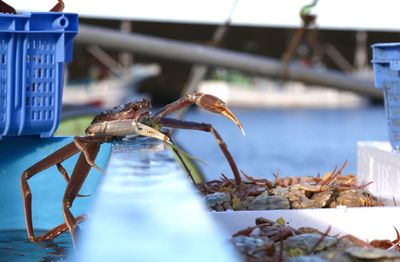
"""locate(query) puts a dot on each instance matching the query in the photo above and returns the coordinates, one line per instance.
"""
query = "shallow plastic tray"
(366, 223)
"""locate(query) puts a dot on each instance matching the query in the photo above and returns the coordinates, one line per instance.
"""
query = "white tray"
(365, 223)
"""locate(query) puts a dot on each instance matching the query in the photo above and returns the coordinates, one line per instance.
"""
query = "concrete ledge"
(377, 162)
(147, 210)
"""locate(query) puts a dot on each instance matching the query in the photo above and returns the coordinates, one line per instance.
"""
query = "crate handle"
(61, 23)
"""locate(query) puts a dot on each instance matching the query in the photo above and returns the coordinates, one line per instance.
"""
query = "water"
(291, 142)
(15, 247)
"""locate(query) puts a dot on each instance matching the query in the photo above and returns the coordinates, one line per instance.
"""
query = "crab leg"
(205, 101)
(59, 7)
(82, 146)
(5, 8)
(63, 172)
(55, 158)
(206, 128)
(76, 181)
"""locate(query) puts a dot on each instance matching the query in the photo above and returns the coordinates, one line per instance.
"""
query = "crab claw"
(121, 128)
(216, 105)
(143, 130)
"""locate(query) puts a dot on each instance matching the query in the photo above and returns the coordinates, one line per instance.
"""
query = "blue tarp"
(19, 153)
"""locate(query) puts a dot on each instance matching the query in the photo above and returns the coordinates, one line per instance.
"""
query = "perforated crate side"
(386, 64)
(6, 57)
(43, 84)
(41, 44)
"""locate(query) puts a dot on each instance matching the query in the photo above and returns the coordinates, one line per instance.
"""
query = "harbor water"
(291, 142)
(15, 247)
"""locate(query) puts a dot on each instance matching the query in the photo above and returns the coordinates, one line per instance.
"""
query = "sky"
(332, 14)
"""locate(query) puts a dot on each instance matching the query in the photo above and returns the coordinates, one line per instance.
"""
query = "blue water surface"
(293, 142)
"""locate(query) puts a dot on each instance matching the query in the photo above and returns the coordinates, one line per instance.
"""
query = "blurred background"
(296, 73)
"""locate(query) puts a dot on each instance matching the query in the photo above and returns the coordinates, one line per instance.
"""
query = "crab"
(329, 191)
(5, 8)
(277, 241)
(130, 119)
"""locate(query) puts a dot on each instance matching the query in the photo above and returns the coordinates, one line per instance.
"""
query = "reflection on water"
(15, 246)
(293, 142)
(141, 156)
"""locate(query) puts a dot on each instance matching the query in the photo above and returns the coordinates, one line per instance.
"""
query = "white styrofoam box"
(377, 162)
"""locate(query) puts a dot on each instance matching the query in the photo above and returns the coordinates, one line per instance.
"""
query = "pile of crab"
(331, 190)
(276, 241)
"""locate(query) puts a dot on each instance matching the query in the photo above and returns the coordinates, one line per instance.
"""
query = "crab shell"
(138, 110)
(134, 110)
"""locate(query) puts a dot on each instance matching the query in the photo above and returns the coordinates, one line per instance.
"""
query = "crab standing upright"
(133, 118)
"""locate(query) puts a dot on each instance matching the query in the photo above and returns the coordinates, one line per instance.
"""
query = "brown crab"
(130, 119)
(277, 241)
(5, 8)
(331, 190)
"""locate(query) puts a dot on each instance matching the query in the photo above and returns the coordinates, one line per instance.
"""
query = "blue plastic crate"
(386, 63)
(33, 50)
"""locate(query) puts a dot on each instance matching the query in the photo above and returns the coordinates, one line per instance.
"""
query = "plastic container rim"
(385, 44)
(29, 13)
